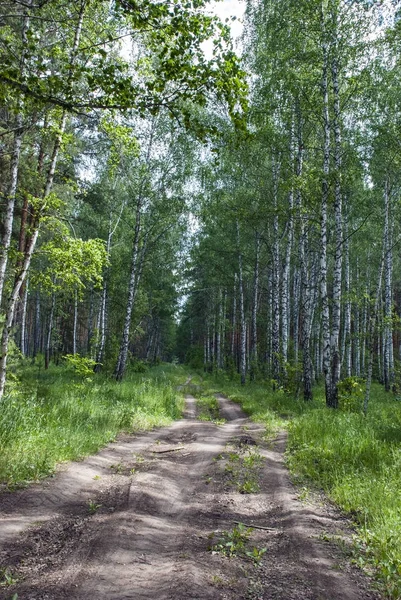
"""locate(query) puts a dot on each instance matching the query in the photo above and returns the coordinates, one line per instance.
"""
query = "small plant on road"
(256, 555)
(208, 408)
(93, 506)
(242, 469)
(7, 578)
(236, 543)
(233, 543)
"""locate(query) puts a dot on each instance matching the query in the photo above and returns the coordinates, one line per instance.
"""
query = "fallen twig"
(255, 526)
(168, 450)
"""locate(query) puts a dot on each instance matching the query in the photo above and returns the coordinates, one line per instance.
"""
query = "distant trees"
(315, 183)
(68, 91)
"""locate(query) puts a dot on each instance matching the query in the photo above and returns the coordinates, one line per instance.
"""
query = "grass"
(54, 416)
(208, 408)
(356, 460)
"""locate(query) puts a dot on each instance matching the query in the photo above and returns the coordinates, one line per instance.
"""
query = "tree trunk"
(346, 342)
(23, 345)
(14, 166)
(75, 324)
(323, 234)
(31, 243)
(234, 321)
(49, 332)
(388, 299)
(337, 275)
(132, 291)
(276, 282)
(241, 311)
(254, 329)
(36, 334)
(371, 335)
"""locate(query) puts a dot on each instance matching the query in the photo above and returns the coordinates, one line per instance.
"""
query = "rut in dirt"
(150, 516)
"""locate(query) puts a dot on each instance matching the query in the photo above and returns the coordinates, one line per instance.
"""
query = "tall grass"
(356, 460)
(54, 416)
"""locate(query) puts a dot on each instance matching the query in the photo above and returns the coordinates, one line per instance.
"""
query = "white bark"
(35, 227)
(276, 281)
(24, 345)
(388, 302)
(323, 229)
(241, 311)
(337, 275)
(254, 328)
(8, 218)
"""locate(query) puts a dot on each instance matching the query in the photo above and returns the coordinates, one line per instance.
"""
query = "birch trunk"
(371, 335)
(323, 232)
(337, 275)
(49, 332)
(276, 282)
(234, 321)
(295, 314)
(31, 243)
(388, 304)
(90, 323)
(285, 305)
(223, 330)
(254, 328)
(75, 324)
(23, 346)
(8, 218)
(346, 351)
(132, 291)
(36, 334)
(241, 311)
(218, 329)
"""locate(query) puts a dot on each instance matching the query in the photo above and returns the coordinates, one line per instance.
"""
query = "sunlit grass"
(54, 416)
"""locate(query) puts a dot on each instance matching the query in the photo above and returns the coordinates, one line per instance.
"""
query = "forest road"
(155, 516)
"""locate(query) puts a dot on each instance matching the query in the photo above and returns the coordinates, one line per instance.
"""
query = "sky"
(226, 9)
(230, 8)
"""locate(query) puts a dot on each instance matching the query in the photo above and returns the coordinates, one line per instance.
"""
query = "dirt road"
(156, 516)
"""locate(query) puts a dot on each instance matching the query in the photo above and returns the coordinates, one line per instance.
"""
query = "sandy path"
(148, 534)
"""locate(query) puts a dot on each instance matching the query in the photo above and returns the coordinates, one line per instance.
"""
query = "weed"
(217, 581)
(7, 578)
(242, 469)
(93, 506)
(248, 487)
(233, 542)
(256, 555)
(118, 468)
(236, 543)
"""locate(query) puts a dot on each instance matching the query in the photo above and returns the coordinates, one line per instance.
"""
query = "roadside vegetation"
(355, 459)
(63, 414)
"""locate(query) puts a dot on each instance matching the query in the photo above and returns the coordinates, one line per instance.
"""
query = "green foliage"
(52, 420)
(351, 392)
(82, 365)
(139, 366)
(71, 263)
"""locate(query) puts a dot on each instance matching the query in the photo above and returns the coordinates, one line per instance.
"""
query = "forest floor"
(157, 516)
